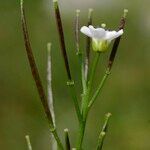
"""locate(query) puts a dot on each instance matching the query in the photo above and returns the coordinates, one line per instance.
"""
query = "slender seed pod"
(117, 41)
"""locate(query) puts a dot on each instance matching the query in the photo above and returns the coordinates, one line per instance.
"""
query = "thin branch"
(28, 142)
(50, 93)
(90, 83)
(67, 140)
(101, 140)
(103, 132)
(105, 125)
(79, 53)
(85, 102)
(73, 95)
(100, 86)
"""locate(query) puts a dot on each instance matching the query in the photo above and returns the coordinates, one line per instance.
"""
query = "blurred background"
(126, 94)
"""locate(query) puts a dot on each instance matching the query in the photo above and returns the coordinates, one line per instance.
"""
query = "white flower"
(101, 38)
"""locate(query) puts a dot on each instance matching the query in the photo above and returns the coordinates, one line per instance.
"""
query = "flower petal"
(85, 30)
(98, 33)
(110, 35)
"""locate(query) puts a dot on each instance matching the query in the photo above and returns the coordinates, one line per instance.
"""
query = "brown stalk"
(33, 66)
(61, 38)
(117, 41)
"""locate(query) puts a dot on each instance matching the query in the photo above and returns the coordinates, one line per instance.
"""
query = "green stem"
(87, 94)
(99, 88)
(85, 101)
(101, 140)
(74, 97)
(81, 135)
(103, 132)
(59, 144)
(81, 62)
(79, 53)
(93, 69)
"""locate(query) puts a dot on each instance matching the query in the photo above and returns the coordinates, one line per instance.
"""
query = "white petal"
(110, 35)
(98, 33)
(85, 30)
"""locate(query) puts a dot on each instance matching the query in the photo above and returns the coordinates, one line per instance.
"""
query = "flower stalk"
(90, 82)
(97, 92)
(85, 101)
